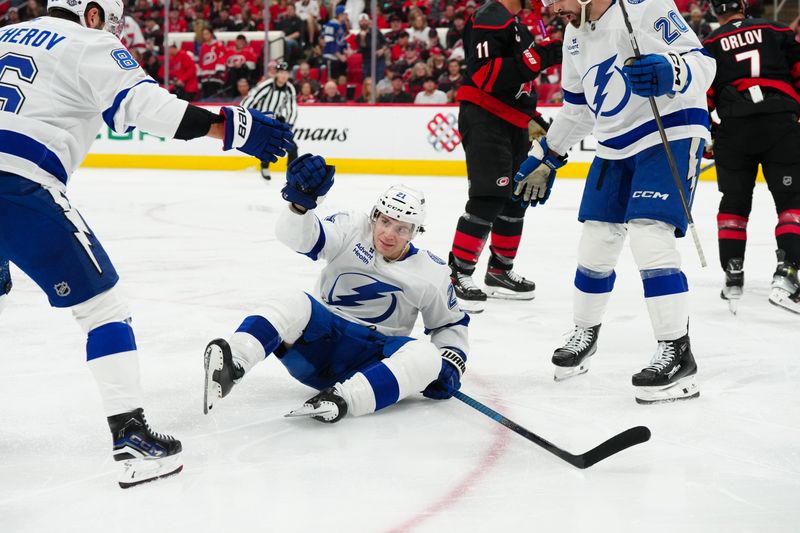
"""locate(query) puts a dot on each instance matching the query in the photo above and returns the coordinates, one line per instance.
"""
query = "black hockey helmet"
(722, 7)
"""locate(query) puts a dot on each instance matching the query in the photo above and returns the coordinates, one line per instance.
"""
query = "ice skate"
(471, 299)
(328, 406)
(146, 455)
(574, 357)
(222, 373)
(785, 290)
(670, 375)
(734, 283)
(265, 174)
(508, 285)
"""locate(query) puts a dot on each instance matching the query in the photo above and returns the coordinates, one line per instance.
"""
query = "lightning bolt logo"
(603, 76)
(609, 88)
(82, 231)
(356, 292)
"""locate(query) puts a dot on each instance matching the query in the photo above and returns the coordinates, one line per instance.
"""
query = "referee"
(277, 96)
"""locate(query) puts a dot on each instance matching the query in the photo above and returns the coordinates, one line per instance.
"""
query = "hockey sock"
(592, 291)
(253, 340)
(506, 234)
(787, 234)
(470, 238)
(113, 360)
(665, 293)
(732, 237)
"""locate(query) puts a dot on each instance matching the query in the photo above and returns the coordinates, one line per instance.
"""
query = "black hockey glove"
(453, 367)
(542, 56)
(256, 133)
(307, 179)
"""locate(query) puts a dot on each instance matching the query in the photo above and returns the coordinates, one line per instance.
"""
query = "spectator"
(31, 10)
(198, 25)
(384, 86)
(469, 8)
(416, 78)
(419, 30)
(153, 36)
(437, 64)
(394, 7)
(335, 47)
(395, 29)
(277, 10)
(410, 58)
(242, 88)
(211, 65)
(448, 16)
(151, 64)
(450, 81)
(366, 92)
(364, 43)
(245, 22)
(330, 94)
(182, 74)
(398, 94)
(304, 76)
(433, 39)
(698, 24)
(240, 62)
(11, 17)
(400, 46)
(292, 27)
(430, 94)
(223, 21)
(308, 11)
(315, 58)
(456, 31)
(306, 94)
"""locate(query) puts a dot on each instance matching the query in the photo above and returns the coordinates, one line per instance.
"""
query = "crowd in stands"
(419, 50)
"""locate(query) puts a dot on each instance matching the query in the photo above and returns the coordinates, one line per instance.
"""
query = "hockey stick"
(626, 439)
(670, 158)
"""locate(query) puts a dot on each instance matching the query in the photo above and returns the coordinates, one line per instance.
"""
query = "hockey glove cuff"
(453, 367)
(308, 179)
(542, 56)
(256, 133)
(534, 180)
(657, 74)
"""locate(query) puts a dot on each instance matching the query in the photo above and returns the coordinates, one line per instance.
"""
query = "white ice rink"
(196, 252)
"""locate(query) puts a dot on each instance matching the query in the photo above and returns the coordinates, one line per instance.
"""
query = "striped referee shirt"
(268, 97)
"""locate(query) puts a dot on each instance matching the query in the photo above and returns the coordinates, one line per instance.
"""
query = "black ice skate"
(573, 358)
(147, 455)
(471, 298)
(328, 406)
(508, 285)
(734, 283)
(785, 290)
(265, 173)
(222, 373)
(670, 375)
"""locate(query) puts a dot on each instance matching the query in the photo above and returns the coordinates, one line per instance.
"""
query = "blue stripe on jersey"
(688, 78)
(108, 339)
(108, 114)
(463, 322)
(663, 282)
(701, 50)
(685, 117)
(574, 98)
(318, 246)
(264, 332)
(384, 385)
(22, 146)
(592, 282)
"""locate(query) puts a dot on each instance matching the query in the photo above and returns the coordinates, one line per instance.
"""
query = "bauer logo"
(655, 195)
(443, 133)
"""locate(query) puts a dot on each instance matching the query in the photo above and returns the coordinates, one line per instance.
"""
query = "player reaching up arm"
(629, 189)
(756, 93)
(349, 337)
(62, 79)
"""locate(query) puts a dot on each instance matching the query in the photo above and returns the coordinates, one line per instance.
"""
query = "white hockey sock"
(118, 380)
(247, 351)
(590, 296)
(666, 295)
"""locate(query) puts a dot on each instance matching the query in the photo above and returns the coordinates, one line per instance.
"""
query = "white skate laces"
(466, 282)
(665, 354)
(580, 339)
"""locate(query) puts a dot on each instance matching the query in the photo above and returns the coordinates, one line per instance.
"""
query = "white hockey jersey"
(59, 82)
(359, 285)
(598, 98)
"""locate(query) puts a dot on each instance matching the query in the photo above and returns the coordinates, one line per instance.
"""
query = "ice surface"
(196, 252)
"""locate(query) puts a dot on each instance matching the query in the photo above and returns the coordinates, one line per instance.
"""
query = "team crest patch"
(62, 289)
(502, 182)
(787, 181)
(435, 258)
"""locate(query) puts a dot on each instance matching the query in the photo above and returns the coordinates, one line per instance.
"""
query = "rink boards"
(358, 139)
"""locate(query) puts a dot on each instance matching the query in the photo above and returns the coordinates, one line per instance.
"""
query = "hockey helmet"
(722, 7)
(402, 203)
(112, 12)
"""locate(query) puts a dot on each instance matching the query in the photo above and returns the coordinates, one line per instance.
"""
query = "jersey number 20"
(667, 26)
(11, 98)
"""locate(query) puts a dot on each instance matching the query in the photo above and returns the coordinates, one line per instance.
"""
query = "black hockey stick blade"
(626, 439)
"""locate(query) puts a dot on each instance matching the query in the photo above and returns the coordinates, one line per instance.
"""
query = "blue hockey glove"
(657, 74)
(536, 175)
(453, 367)
(307, 178)
(255, 133)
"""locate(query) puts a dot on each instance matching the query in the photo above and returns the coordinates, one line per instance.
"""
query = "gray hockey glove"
(536, 175)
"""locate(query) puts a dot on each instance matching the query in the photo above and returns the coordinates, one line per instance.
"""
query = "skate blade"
(781, 298)
(683, 389)
(309, 411)
(138, 471)
(501, 293)
(733, 297)
(562, 373)
(471, 307)
(213, 363)
(733, 306)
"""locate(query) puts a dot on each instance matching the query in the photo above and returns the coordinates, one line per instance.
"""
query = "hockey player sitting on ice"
(63, 78)
(349, 338)
(630, 189)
